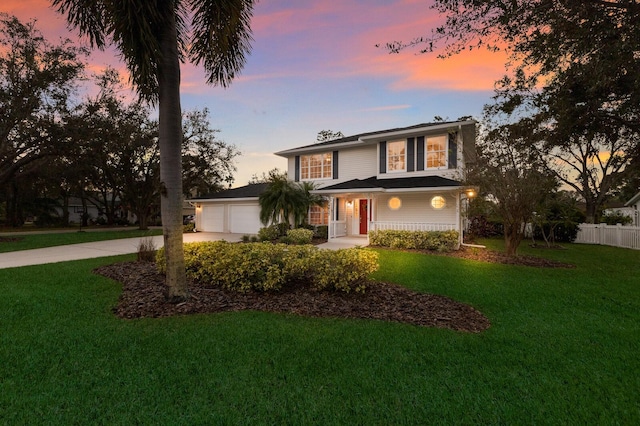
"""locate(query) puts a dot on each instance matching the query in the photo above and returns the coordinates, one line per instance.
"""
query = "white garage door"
(245, 219)
(212, 219)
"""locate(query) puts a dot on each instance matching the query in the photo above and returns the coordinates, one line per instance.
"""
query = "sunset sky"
(314, 66)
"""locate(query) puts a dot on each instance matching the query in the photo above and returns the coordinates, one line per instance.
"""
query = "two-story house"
(404, 178)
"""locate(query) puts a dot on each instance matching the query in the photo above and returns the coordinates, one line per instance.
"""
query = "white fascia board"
(321, 148)
(633, 200)
(222, 200)
(423, 189)
(347, 191)
(417, 132)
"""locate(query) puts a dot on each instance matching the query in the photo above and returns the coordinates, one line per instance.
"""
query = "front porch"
(338, 229)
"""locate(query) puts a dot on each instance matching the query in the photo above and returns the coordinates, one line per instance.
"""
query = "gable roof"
(374, 184)
(633, 200)
(253, 190)
(378, 135)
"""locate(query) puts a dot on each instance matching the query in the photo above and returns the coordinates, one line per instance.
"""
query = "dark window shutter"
(335, 164)
(383, 157)
(337, 208)
(297, 172)
(410, 154)
(420, 154)
(453, 151)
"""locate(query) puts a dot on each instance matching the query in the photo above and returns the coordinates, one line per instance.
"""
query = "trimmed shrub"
(616, 217)
(299, 236)
(343, 270)
(422, 240)
(269, 233)
(189, 227)
(322, 231)
(270, 267)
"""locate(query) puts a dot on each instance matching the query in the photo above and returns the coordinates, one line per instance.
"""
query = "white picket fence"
(609, 235)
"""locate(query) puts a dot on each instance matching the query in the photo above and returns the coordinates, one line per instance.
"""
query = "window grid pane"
(436, 151)
(396, 156)
(317, 166)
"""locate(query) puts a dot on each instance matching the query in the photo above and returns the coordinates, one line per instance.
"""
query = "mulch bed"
(144, 288)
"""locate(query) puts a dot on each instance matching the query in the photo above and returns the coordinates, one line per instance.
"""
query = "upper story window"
(436, 151)
(396, 156)
(316, 166)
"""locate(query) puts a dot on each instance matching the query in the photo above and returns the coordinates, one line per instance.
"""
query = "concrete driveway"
(128, 246)
(97, 249)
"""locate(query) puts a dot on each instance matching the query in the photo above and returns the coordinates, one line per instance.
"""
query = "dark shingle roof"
(399, 183)
(247, 191)
(378, 132)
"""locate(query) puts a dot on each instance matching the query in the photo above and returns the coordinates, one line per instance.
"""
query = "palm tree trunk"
(170, 132)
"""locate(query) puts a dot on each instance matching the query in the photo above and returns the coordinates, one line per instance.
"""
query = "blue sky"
(314, 66)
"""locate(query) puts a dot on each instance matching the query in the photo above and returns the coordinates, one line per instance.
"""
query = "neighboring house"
(633, 205)
(631, 209)
(403, 178)
(76, 209)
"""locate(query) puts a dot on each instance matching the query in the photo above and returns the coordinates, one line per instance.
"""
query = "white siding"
(357, 163)
(291, 168)
(417, 208)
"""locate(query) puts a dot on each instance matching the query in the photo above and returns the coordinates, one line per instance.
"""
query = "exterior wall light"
(394, 203)
(438, 202)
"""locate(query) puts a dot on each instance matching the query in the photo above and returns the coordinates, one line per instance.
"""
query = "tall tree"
(513, 179)
(36, 79)
(153, 37)
(574, 79)
(207, 162)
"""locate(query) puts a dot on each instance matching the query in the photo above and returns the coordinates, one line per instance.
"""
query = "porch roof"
(374, 184)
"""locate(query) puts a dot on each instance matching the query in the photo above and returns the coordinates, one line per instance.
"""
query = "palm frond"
(86, 15)
(221, 37)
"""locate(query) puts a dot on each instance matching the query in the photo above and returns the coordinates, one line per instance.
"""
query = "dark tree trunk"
(513, 236)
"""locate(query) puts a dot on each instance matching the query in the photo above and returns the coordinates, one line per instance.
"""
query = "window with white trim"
(319, 215)
(316, 166)
(396, 156)
(436, 148)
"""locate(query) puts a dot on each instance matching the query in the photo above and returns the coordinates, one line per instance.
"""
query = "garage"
(212, 218)
(244, 219)
(235, 210)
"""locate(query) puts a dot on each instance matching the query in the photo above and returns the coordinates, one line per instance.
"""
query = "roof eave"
(416, 131)
(633, 200)
(320, 148)
(210, 200)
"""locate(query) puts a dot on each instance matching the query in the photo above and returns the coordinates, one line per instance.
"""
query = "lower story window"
(318, 215)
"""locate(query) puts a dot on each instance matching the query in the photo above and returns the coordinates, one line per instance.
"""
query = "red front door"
(364, 214)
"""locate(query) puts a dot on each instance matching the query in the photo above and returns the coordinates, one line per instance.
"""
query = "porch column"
(330, 224)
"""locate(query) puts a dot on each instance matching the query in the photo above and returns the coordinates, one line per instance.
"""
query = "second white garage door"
(244, 219)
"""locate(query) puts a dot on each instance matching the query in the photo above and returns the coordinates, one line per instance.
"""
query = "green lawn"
(28, 242)
(563, 349)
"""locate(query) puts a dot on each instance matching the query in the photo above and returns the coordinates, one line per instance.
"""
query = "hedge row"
(424, 240)
(270, 267)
